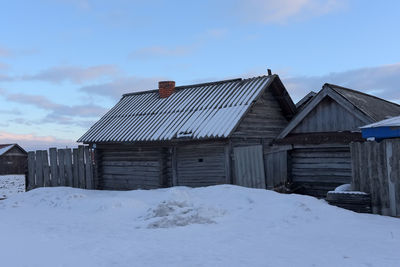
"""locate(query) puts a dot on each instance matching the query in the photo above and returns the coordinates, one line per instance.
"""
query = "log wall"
(127, 167)
(315, 170)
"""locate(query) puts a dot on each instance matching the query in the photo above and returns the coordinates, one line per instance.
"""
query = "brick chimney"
(166, 88)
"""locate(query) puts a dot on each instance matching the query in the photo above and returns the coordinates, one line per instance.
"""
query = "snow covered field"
(11, 185)
(213, 226)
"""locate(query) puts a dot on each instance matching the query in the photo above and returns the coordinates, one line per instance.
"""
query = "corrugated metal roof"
(390, 122)
(200, 111)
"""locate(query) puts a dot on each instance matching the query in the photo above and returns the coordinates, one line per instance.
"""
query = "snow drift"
(213, 226)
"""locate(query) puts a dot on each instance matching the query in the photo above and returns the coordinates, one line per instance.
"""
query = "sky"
(64, 63)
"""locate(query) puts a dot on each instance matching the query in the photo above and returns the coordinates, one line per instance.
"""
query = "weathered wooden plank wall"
(319, 169)
(276, 168)
(376, 170)
(249, 166)
(201, 165)
(65, 168)
(328, 116)
(128, 167)
(261, 124)
(13, 164)
(14, 161)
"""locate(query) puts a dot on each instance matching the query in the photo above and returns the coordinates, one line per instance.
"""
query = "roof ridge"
(208, 83)
(184, 86)
(359, 92)
(197, 85)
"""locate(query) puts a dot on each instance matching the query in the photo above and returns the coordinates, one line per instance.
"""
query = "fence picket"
(46, 168)
(61, 169)
(53, 166)
(68, 167)
(39, 170)
(75, 181)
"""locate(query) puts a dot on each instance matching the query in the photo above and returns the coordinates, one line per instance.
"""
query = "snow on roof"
(391, 122)
(200, 111)
(5, 148)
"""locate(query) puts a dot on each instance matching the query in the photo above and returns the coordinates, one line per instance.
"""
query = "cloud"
(87, 110)
(74, 74)
(152, 52)
(120, 86)
(81, 115)
(212, 34)
(6, 78)
(4, 52)
(4, 66)
(382, 81)
(10, 111)
(272, 11)
(34, 142)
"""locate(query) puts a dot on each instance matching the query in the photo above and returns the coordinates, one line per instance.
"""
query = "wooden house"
(195, 135)
(13, 159)
(317, 138)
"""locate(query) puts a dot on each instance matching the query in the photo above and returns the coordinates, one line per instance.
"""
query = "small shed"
(389, 128)
(317, 138)
(13, 159)
(195, 135)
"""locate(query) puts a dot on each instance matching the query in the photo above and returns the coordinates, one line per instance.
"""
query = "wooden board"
(201, 165)
(249, 166)
(319, 170)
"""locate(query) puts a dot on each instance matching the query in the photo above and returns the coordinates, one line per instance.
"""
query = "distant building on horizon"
(13, 159)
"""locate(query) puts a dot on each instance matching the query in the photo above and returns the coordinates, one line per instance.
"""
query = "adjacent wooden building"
(13, 159)
(317, 138)
(197, 135)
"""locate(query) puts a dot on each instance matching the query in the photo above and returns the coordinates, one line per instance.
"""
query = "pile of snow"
(173, 213)
(11, 185)
(212, 226)
(346, 189)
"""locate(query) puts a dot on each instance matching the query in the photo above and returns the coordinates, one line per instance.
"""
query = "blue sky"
(63, 63)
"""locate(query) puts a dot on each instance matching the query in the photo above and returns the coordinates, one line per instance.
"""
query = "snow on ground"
(212, 226)
(11, 184)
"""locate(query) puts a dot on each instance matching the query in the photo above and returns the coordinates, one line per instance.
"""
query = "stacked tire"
(357, 201)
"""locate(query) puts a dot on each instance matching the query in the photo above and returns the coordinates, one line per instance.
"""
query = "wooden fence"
(376, 170)
(62, 167)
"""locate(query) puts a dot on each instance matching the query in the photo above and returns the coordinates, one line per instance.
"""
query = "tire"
(354, 202)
